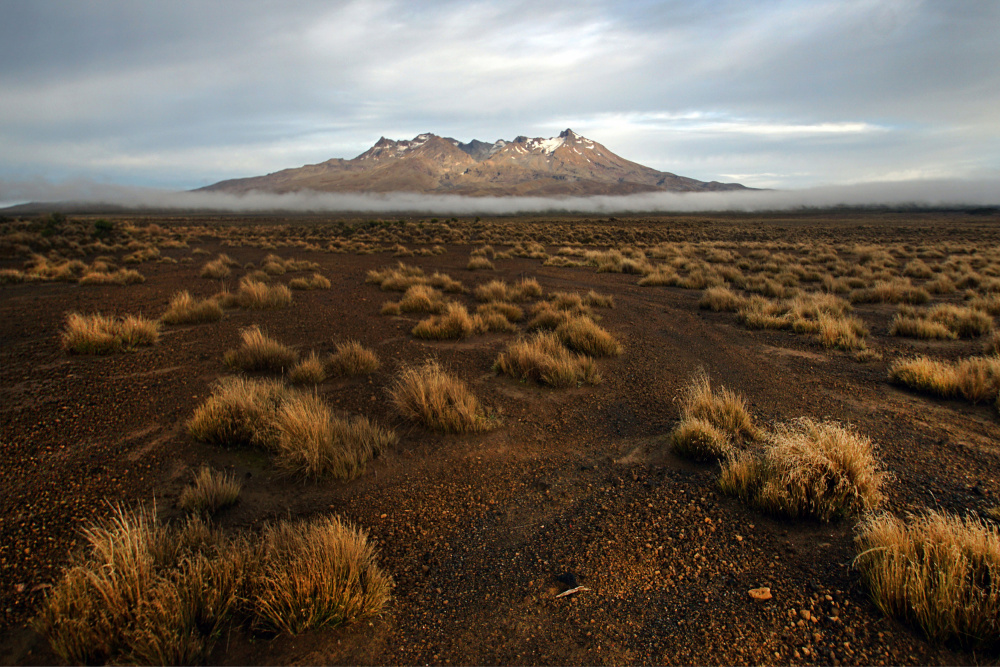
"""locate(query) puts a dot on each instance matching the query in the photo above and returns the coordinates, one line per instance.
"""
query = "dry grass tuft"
(310, 370)
(317, 281)
(211, 491)
(352, 358)
(976, 379)
(438, 400)
(422, 299)
(216, 269)
(257, 295)
(508, 311)
(945, 321)
(812, 469)
(721, 299)
(582, 334)
(599, 300)
(844, 332)
(936, 571)
(724, 409)
(992, 344)
(312, 442)
(185, 309)
(258, 352)
(699, 440)
(316, 574)
(98, 334)
(454, 322)
(479, 264)
(544, 359)
(119, 277)
(240, 412)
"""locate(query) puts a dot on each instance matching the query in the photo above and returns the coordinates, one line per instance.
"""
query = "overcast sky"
(778, 94)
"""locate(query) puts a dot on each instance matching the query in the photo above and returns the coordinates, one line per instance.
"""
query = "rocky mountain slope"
(565, 165)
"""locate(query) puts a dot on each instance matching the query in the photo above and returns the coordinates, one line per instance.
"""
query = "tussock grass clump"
(508, 311)
(321, 573)
(310, 370)
(352, 358)
(216, 269)
(544, 359)
(438, 400)
(11, 276)
(479, 264)
(819, 470)
(149, 593)
(494, 290)
(257, 295)
(312, 442)
(422, 299)
(843, 332)
(957, 321)
(211, 491)
(99, 334)
(545, 316)
(258, 352)
(988, 304)
(899, 290)
(712, 422)
(402, 277)
(454, 322)
(119, 277)
(240, 412)
(599, 300)
(992, 344)
(144, 593)
(721, 299)
(582, 334)
(936, 571)
(976, 379)
(186, 309)
(317, 281)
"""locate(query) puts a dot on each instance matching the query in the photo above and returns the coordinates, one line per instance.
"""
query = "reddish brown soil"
(474, 529)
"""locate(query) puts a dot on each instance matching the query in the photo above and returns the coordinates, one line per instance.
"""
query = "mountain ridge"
(568, 164)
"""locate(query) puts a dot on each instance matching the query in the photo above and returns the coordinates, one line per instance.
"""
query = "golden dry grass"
(119, 277)
(454, 322)
(976, 379)
(699, 440)
(211, 491)
(722, 408)
(721, 299)
(584, 335)
(216, 269)
(240, 412)
(544, 359)
(937, 571)
(479, 264)
(422, 299)
(257, 295)
(310, 370)
(186, 309)
(508, 311)
(259, 352)
(433, 397)
(99, 334)
(352, 358)
(807, 469)
(316, 281)
(313, 442)
(321, 573)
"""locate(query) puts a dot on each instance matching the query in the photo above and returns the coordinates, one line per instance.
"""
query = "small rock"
(762, 593)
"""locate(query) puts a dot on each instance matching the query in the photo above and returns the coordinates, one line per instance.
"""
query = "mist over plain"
(898, 194)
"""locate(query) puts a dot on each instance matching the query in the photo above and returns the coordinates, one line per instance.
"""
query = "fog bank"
(922, 193)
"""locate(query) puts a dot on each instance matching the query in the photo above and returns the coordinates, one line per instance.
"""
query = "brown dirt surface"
(477, 529)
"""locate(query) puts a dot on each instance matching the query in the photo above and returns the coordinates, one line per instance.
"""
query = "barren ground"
(475, 528)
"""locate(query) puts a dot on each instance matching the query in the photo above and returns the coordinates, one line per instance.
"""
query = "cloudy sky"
(782, 95)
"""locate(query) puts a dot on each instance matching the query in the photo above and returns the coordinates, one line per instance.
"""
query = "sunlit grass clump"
(211, 491)
(100, 334)
(807, 469)
(543, 358)
(936, 571)
(976, 379)
(713, 421)
(437, 399)
(259, 352)
(186, 309)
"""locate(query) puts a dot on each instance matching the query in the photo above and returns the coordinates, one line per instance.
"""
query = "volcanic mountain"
(565, 165)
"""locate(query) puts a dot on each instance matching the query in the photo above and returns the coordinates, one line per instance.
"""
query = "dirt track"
(474, 529)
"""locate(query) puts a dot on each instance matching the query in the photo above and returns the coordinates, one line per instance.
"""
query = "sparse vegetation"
(259, 352)
(454, 322)
(352, 358)
(310, 370)
(544, 359)
(713, 422)
(186, 309)
(317, 281)
(976, 379)
(211, 491)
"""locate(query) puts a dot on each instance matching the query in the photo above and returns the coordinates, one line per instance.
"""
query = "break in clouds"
(921, 194)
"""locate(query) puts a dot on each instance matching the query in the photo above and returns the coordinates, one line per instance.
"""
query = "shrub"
(316, 574)
(820, 470)
(312, 442)
(438, 400)
(310, 370)
(211, 491)
(258, 352)
(352, 358)
(98, 334)
(937, 571)
(544, 359)
(584, 335)
(185, 309)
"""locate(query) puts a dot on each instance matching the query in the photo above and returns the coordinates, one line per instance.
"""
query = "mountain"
(565, 165)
